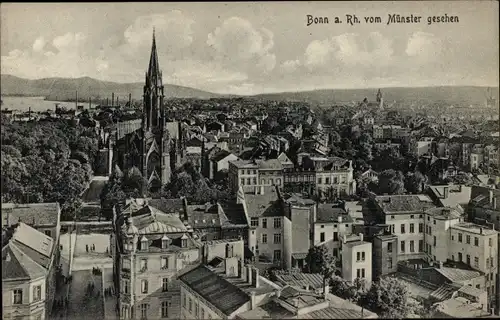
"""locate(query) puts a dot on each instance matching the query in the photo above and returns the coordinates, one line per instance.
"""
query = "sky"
(252, 47)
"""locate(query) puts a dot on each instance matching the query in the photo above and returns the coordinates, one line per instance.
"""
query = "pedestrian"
(87, 248)
(93, 247)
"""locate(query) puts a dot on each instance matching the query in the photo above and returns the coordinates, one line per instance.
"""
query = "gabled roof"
(219, 292)
(17, 265)
(404, 203)
(328, 212)
(33, 239)
(29, 213)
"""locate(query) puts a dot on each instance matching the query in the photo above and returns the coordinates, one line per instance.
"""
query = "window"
(164, 309)
(412, 216)
(491, 263)
(434, 241)
(358, 256)
(264, 223)
(402, 246)
(403, 228)
(476, 261)
(327, 180)
(196, 309)
(164, 285)
(389, 247)
(420, 227)
(144, 264)
(126, 286)
(358, 273)
(412, 228)
(490, 242)
(37, 293)
(420, 245)
(468, 260)
(320, 181)
(335, 236)
(434, 221)
(264, 238)
(459, 237)
(190, 305)
(18, 296)
(363, 273)
(430, 230)
(392, 217)
(460, 256)
(254, 222)
(428, 218)
(389, 263)
(363, 256)
(48, 233)
(242, 181)
(412, 246)
(476, 241)
(144, 286)
(164, 263)
(277, 255)
(249, 181)
(277, 238)
(144, 311)
(322, 237)
(126, 264)
(277, 223)
(467, 239)
(254, 180)
(322, 226)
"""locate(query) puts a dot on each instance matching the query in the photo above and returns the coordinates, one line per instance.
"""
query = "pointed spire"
(154, 66)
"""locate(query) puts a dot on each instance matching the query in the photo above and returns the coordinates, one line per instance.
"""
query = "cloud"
(424, 45)
(289, 66)
(39, 44)
(349, 49)
(236, 43)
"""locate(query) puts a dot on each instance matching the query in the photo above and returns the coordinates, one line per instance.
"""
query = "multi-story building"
(149, 247)
(424, 146)
(222, 289)
(385, 254)
(405, 216)
(478, 247)
(331, 223)
(252, 173)
(28, 273)
(356, 259)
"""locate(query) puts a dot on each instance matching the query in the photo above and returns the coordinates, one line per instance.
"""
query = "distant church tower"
(380, 99)
(155, 137)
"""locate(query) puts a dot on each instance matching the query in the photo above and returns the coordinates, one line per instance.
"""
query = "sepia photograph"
(250, 160)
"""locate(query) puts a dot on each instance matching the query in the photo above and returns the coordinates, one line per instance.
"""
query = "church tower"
(156, 140)
(380, 99)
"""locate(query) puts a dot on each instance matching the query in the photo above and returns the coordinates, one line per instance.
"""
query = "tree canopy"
(47, 162)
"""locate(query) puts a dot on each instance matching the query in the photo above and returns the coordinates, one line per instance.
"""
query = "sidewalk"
(109, 301)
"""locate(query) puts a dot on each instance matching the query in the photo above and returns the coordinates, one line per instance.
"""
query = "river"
(36, 103)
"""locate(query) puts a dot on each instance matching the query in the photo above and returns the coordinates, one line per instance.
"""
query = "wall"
(29, 307)
(329, 229)
(381, 254)
(269, 247)
(406, 219)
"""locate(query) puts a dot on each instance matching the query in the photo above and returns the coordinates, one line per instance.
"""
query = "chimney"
(440, 265)
(307, 287)
(361, 237)
(255, 277)
(249, 274)
(256, 189)
(326, 290)
(90, 102)
(446, 191)
(107, 102)
(204, 253)
(228, 250)
(494, 203)
(480, 230)
(231, 266)
(253, 303)
(112, 98)
(339, 219)
(277, 293)
(117, 101)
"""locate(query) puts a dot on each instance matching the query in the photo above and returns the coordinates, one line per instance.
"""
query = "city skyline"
(238, 48)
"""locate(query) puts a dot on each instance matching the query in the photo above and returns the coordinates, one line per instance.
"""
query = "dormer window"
(165, 242)
(184, 241)
(144, 243)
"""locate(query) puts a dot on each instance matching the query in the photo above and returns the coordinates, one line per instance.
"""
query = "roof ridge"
(24, 255)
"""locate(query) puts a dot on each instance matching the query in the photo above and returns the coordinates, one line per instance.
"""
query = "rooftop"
(395, 204)
(474, 228)
(461, 308)
(458, 275)
(37, 214)
(330, 212)
(455, 195)
(299, 279)
(264, 205)
(444, 213)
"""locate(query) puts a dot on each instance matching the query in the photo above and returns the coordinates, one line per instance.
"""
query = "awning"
(299, 256)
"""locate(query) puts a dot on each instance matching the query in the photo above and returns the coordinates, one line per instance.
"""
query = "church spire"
(154, 66)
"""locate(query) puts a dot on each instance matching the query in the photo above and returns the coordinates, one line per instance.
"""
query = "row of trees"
(388, 297)
(393, 182)
(47, 162)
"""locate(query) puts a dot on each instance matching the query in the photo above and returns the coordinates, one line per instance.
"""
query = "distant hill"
(459, 95)
(63, 89)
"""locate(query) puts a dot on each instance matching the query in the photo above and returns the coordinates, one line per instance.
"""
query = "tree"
(319, 260)
(391, 182)
(415, 182)
(389, 298)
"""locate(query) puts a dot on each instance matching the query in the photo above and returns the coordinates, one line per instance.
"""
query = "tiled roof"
(167, 205)
(20, 266)
(283, 158)
(244, 164)
(37, 213)
(443, 213)
(216, 290)
(404, 203)
(220, 155)
(299, 279)
(443, 292)
(457, 275)
(295, 198)
(328, 212)
(34, 239)
(264, 205)
(271, 164)
(232, 214)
